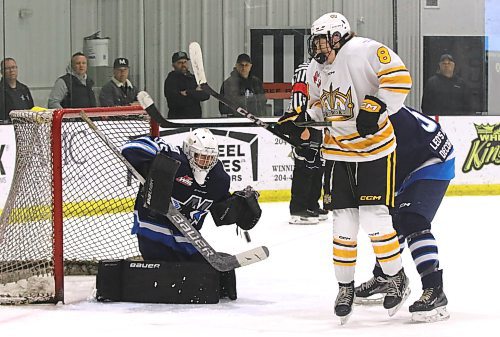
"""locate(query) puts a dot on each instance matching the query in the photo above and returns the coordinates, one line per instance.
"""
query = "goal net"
(71, 200)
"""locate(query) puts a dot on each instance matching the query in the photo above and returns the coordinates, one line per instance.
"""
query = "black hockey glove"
(159, 183)
(241, 208)
(369, 112)
(250, 209)
(310, 153)
(286, 122)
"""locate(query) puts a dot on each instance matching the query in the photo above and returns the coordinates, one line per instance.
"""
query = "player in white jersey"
(355, 83)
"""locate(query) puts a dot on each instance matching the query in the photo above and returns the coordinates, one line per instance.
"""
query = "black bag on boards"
(162, 282)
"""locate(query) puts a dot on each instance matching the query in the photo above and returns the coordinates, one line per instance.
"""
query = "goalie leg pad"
(159, 184)
(159, 282)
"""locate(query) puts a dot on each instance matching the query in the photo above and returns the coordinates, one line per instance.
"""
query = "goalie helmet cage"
(71, 200)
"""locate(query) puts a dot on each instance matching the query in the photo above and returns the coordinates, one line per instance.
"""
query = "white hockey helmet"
(202, 151)
(330, 23)
(332, 26)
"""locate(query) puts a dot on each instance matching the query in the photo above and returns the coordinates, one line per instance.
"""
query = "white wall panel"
(39, 42)
(147, 32)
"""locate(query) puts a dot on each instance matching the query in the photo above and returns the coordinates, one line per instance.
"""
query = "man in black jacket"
(73, 90)
(445, 93)
(13, 94)
(243, 89)
(181, 91)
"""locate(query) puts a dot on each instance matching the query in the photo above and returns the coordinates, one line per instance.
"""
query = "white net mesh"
(98, 197)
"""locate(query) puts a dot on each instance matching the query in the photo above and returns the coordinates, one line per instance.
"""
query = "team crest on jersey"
(336, 105)
(186, 180)
(317, 79)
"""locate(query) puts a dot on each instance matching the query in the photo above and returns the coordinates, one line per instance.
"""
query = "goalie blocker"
(163, 282)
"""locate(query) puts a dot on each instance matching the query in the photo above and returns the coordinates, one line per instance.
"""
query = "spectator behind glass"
(181, 91)
(243, 89)
(445, 93)
(73, 90)
(119, 90)
(13, 94)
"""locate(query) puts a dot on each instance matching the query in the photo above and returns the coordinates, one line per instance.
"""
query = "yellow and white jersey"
(336, 91)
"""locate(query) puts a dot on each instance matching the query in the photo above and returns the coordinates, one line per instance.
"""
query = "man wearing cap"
(181, 90)
(445, 93)
(119, 90)
(243, 89)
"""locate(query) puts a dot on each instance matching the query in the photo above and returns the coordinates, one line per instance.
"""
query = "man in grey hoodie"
(73, 90)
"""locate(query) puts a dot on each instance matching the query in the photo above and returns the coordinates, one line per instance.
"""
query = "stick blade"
(197, 62)
(254, 255)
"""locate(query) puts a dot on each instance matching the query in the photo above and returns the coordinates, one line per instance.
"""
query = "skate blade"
(376, 299)
(344, 319)
(302, 222)
(435, 315)
(393, 311)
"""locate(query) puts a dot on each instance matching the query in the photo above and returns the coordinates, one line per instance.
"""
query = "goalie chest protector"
(157, 282)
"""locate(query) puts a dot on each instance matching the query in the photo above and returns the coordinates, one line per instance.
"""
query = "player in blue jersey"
(199, 185)
(425, 165)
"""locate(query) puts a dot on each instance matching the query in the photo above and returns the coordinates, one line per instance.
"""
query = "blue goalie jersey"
(423, 149)
(191, 199)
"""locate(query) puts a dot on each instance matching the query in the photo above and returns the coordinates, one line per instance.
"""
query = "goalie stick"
(221, 262)
(199, 73)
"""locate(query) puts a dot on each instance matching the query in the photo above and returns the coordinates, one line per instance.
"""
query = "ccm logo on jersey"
(370, 197)
(145, 265)
(186, 180)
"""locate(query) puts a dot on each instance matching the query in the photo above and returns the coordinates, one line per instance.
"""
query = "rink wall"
(253, 156)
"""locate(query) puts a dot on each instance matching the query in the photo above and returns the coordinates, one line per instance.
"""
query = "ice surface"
(292, 292)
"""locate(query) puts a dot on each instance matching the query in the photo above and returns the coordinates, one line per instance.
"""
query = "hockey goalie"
(193, 179)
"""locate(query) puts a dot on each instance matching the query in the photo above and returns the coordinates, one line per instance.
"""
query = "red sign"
(278, 90)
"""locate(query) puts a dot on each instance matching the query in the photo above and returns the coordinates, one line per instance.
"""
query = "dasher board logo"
(485, 149)
(2, 169)
(233, 156)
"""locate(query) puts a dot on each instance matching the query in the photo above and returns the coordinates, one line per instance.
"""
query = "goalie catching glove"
(369, 113)
(242, 208)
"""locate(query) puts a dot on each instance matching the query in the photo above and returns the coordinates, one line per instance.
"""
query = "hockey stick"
(153, 112)
(199, 73)
(218, 261)
(312, 123)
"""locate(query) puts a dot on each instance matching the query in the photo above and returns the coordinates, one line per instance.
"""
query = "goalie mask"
(202, 150)
(334, 28)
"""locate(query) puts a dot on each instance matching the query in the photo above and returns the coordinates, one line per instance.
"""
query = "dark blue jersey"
(423, 149)
(191, 199)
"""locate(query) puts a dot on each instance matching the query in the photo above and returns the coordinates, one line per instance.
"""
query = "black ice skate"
(372, 291)
(321, 213)
(304, 218)
(343, 303)
(431, 306)
(397, 292)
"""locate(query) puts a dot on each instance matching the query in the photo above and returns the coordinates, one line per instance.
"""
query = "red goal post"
(71, 200)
